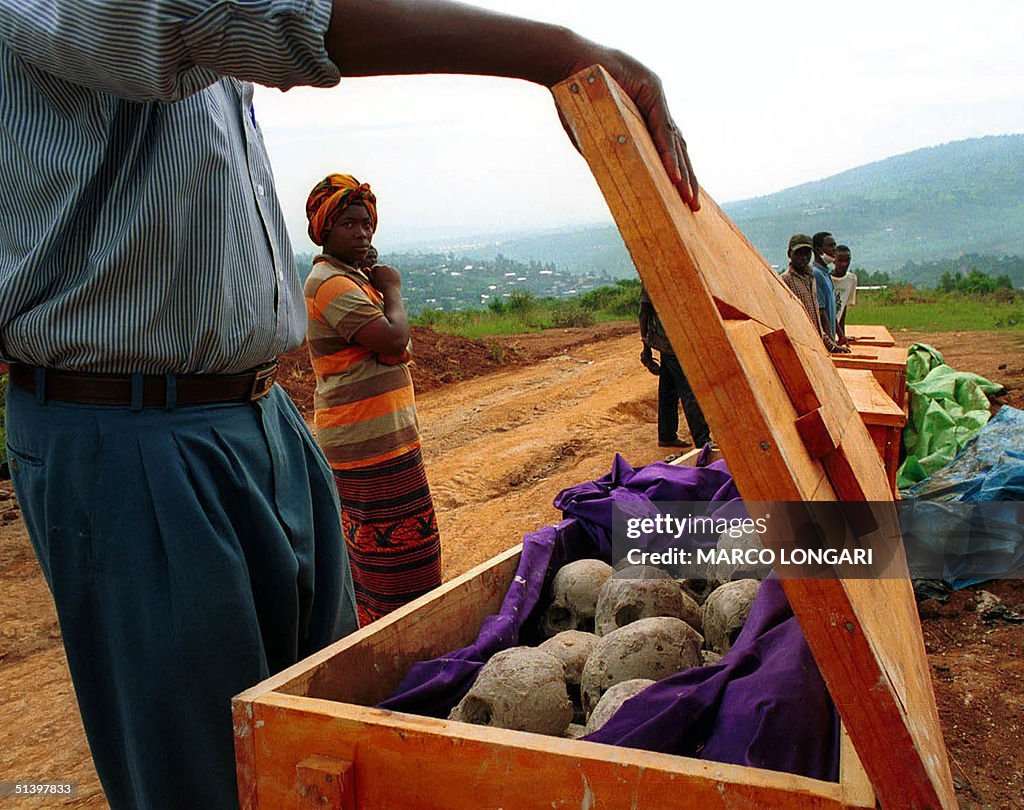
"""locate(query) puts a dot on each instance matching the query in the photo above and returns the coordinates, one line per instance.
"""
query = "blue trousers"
(191, 552)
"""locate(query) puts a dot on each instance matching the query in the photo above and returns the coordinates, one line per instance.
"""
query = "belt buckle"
(262, 382)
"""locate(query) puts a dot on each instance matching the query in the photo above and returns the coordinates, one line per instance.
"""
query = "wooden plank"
(366, 666)
(887, 363)
(325, 782)
(817, 438)
(857, 790)
(874, 405)
(401, 760)
(792, 371)
(864, 633)
(689, 459)
(245, 754)
(882, 417)
(874, 334)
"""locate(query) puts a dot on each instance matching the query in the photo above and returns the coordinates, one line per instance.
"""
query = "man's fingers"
(672, 148)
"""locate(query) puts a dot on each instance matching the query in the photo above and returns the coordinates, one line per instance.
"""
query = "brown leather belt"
(157, 390)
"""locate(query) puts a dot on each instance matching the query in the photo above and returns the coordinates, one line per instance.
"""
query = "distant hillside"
(453, 282)
(596, 250)
(937, 203)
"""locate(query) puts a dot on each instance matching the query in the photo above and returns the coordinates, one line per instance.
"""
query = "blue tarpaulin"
(967, 516)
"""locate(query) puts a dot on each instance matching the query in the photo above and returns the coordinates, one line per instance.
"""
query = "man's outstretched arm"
(391, 37)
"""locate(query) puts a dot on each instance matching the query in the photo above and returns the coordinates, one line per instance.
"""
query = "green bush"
(569, 315)
(429, 317)
(622, 300)
(520, 302)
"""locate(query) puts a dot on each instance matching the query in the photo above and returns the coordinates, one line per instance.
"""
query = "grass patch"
(934, 311)
(523, 312)
(898, 307)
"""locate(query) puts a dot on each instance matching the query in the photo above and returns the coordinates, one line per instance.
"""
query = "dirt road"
(498, 448)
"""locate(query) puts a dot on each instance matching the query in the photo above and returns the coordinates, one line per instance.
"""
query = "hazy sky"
(768, 95)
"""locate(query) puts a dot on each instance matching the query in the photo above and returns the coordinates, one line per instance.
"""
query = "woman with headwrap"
(365, 412)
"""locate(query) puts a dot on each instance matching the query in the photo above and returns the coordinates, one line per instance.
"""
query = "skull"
(520, 688)
(741, 569)
(575, 588)
(613, 699)
(725, 611)
(640, 592)
(572, 648)
(647, 648)
(698, 589)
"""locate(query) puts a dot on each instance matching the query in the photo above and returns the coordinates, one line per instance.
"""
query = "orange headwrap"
(330, 197)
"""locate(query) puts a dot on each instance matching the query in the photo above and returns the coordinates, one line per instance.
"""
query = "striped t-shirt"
(365, 412)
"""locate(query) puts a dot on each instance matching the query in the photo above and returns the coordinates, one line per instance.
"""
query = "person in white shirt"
(845, 285)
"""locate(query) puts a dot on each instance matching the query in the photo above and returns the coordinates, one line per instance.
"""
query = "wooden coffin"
(790, 432)
(883, 418)
(307, 738)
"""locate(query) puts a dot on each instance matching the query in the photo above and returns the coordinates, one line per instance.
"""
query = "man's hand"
(645, 89)
(648, 361)
(383, 276)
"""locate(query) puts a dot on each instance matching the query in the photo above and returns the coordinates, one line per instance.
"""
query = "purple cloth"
(433, 688)
(636, 491)
(763, 704)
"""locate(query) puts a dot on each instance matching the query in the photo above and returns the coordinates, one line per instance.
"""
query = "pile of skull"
(610, 634)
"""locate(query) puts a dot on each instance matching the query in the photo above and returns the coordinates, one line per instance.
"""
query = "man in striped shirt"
(185, 520)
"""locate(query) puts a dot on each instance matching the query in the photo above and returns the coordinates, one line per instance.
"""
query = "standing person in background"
(824, 245)
(673, 387)
(185, 520)
(802, 281)
(365, 409)
(845, 283)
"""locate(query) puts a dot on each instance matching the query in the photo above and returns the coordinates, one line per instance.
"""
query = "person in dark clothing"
(673, 387)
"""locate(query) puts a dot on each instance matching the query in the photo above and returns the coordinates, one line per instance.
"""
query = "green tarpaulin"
(947, 408)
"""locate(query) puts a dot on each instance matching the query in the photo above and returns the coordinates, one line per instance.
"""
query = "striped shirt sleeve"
(166, 50)
(344, 306)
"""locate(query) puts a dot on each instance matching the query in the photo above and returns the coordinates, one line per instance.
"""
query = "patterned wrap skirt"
(387, 515)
